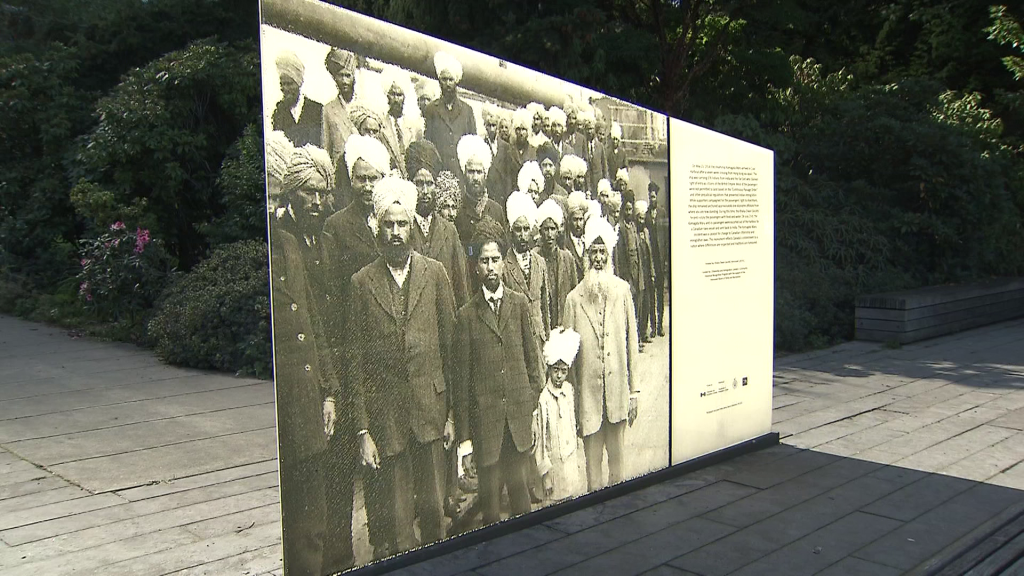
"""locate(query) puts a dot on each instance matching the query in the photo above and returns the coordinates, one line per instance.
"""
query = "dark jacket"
(500, 375)
(442, 244)
(309, 128)
(445, 127)
(296, 367)
(399, 376)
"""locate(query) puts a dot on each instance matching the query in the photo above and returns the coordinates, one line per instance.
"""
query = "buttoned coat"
(535, 288)
(499, 376)
(577, 256)
(296, 369)
(399, 383)
(442, 244)
(347, 245)
(563, 268)
(605, 367)
(445, 127)
(337, 128)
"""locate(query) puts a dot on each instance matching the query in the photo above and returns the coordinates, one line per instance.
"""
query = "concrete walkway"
(113, 463)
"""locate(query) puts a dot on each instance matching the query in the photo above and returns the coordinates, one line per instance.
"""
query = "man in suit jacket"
(657, 228)
(301, 436)
(600, 308)
(526, 271)
(337, 126)
(433, 236)
(477, 205)
(574, 227)
(403, 315)
(589, 146)
(348, 244)
(499, 380)
(615, 152)
(448, 118)
(297, 116)
(562, 276)
(627, 253)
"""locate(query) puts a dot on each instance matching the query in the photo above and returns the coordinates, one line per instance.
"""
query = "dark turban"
(547, 150)
(343, 59)
(422, 154)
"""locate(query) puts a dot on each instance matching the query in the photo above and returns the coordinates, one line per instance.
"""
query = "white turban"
(535, 108)
(622, 173)
(445, 61)
(473, 147)
(369, 149)
(427, 87)
(392, 190)
(599, 228)
(522, 117)
(640, 207)
(603, 185)
(556, 116)
(489, 110)
(616, 130)
(563, 344)
(530, 172)
(289, 65)
(518, 205)
(279, 153)
(550, 209)
(572, 166)
(391, 76)
(587, 113)
(577, 201)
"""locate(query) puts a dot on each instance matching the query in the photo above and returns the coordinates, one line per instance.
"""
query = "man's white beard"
(598, 281)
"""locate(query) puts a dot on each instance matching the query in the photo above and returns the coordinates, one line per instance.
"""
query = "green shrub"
(218, 315)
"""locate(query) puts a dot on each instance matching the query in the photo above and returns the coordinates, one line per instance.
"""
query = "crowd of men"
(417, 272)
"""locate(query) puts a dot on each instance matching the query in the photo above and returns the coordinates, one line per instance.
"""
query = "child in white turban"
(557, 458)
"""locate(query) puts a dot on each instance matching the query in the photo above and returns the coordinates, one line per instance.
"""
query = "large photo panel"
(723, 278)
(469, 277)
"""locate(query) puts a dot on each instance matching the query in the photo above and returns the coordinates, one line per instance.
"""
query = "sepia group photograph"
(469, 279)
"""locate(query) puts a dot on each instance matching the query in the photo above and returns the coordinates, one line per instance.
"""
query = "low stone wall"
(913, 315)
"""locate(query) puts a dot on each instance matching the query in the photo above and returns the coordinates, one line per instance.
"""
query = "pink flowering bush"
(122, 272)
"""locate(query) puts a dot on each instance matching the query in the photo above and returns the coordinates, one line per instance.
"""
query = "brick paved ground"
(113, 463)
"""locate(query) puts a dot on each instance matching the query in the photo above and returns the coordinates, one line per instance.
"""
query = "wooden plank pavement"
(113, 463)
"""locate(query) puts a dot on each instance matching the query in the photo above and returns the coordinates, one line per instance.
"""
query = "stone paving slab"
(113, 463)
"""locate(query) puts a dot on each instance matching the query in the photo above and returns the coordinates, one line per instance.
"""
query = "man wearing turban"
(297, 116)
(616, 152)
(337, 126)
(526, 272)
(521, 148)
(549, 161)
(449, 196)
(647, 316)
(305, 380)
(432, 235)
(561, 267)
(403, 321)
(578, 208)
(601, 309)
(448, 118)
(591, 148)
(474, 162)
(556, 132)
(504, 166)
(627, 253)
(573, 171)
(349, 244)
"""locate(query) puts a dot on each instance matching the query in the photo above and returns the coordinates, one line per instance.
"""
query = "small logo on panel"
(734, 383)
(744, 380)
